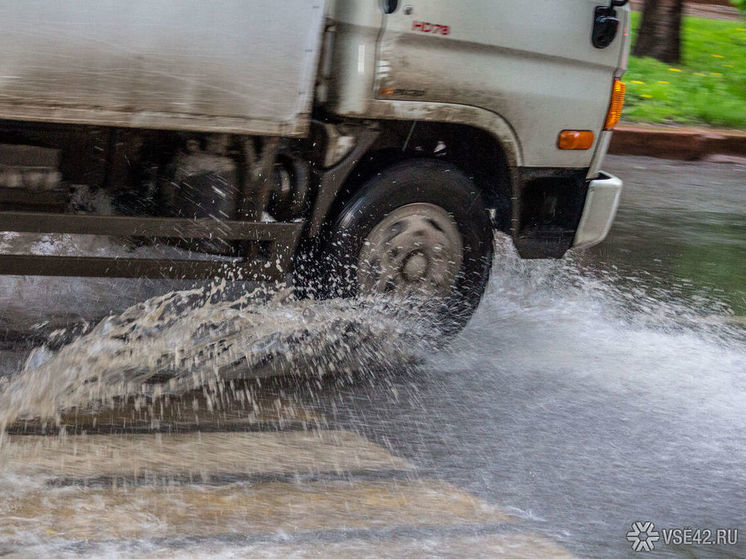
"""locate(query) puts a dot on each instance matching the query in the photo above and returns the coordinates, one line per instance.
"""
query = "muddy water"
(607, 388)
(585, 395)
(202, 338)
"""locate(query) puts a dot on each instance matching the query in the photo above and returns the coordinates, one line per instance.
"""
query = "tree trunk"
(659, 35)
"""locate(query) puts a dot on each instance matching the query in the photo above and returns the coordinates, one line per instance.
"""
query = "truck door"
(532, 62)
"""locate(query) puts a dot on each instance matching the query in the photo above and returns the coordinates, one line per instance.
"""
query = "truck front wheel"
(417, 228)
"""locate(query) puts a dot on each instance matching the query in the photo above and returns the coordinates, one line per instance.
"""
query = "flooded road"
(586, 394)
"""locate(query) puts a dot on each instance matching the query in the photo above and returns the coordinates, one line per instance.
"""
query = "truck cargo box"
(220, 65)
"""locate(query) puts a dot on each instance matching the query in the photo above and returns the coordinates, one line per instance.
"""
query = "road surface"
(586, 394)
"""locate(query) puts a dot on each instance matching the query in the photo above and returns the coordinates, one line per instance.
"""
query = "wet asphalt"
(586, 394)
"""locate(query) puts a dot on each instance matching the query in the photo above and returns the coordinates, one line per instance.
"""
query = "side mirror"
(390, 6)
(605, 27)
(606, 24)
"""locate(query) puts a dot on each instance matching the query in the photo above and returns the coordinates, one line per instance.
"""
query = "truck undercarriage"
(251, 201)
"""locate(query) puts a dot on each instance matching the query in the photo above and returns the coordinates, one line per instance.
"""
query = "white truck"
(374, 145)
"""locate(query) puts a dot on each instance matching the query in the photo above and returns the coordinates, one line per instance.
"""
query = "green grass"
(708, 87)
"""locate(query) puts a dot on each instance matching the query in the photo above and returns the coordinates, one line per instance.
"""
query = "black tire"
(416, 181)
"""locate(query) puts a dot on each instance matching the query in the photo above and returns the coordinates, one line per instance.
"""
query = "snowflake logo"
(643, 536)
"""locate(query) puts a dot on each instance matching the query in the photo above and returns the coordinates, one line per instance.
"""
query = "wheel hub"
(415, 267)
(416, 248)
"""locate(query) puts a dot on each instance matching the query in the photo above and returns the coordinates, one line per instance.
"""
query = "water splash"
(195, 338)
(577, 323)
(568, 368)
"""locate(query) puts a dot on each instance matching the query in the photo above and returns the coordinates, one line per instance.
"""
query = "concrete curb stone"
(670, 142)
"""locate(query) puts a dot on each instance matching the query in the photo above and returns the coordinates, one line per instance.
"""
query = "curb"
(678, 143)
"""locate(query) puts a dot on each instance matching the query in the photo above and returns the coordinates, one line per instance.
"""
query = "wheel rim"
(416, 248)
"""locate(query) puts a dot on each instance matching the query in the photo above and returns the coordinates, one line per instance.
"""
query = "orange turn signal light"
(575, 139)
(615, 106)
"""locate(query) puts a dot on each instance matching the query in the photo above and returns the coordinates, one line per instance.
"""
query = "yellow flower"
(646, 96)
(717, 56)
(699, 74)
(637, 81)
(716, 74)
(674, 70)
(664, 82)
(727, 65)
